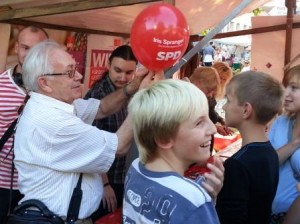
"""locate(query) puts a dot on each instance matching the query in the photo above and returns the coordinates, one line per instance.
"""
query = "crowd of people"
(62, 140)
(214, 52)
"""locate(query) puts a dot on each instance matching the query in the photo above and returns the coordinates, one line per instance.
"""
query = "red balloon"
(159, 36)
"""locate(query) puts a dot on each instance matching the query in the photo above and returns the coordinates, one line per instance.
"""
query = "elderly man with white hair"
(55, 141)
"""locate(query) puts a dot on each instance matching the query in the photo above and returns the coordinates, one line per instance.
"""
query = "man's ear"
(43, 84)
(248, 110)
(16, 47)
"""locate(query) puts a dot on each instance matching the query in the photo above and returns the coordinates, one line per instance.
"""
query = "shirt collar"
(50, 101)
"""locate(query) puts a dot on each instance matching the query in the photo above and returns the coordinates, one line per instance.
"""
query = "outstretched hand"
(214, 179)
(151, 78)
(139, 76)
(143, 78)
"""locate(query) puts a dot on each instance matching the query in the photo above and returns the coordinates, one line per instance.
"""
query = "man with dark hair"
(12, 94)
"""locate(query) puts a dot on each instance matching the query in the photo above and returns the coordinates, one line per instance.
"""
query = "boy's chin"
(228, 124)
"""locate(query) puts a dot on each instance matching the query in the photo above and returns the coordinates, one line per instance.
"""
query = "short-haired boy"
(172, 131)
(251, 174)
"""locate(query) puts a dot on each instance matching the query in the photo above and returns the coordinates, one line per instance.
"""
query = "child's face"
(233, 111)
(292, 96)
(193, 139)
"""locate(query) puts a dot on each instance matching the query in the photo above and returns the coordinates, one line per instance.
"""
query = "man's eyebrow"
(116, 67)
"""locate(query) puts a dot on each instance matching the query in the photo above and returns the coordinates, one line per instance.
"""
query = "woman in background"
(284, 135)
(207, 79)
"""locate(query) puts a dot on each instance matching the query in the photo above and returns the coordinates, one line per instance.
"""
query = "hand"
(109, 199)
(151, 78)
(224, 130)
(143, 78)
(139, 76)
(214, 179)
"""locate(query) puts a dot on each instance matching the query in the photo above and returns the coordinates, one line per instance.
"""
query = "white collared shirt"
(53, 146)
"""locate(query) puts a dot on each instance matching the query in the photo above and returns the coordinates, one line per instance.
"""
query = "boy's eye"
(199, 122)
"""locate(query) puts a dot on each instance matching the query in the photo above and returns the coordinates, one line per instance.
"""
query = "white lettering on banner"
(98, 62)
(99, 59)
(96, 71)
(168, 55)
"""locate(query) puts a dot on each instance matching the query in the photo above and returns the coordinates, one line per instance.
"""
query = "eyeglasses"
(70, 73)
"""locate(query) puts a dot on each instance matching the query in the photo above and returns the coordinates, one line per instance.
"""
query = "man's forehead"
(61, 58)
(28, 37)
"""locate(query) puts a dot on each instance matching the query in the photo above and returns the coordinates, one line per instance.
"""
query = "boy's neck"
(252, 132)
(165, 165)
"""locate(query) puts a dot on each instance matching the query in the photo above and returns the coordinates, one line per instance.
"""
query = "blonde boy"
(172, 130)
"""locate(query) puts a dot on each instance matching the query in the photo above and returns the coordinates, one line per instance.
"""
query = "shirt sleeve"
(232, 200)
(86, 110)
(78, 147)
(206, 213)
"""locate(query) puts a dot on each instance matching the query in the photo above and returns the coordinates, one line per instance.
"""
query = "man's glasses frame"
(70, 73)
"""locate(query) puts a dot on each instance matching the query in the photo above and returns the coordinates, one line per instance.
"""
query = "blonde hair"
(208, 77)
(225, 74)
(157, 112)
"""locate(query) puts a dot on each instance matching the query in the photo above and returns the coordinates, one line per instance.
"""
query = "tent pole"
(172, 2)
(236, 11)
(291, 6)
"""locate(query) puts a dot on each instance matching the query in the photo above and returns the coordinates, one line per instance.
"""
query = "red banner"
(99, 59)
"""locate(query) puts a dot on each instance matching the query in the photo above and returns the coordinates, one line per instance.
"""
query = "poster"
(98, 62)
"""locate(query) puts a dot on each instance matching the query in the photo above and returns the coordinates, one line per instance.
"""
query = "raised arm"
(125, 133)
(115, 101)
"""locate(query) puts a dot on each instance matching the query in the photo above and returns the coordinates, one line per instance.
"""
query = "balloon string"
(197, 48)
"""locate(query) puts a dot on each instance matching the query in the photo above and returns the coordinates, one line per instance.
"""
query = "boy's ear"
(248, 110)
(164, 144)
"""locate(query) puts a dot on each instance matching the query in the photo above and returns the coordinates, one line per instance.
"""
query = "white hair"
(37, 63)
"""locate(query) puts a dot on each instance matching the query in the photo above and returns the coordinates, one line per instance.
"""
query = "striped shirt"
(11, 98)
(53, 146)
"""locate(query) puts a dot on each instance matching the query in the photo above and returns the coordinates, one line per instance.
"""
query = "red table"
(112, 218)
